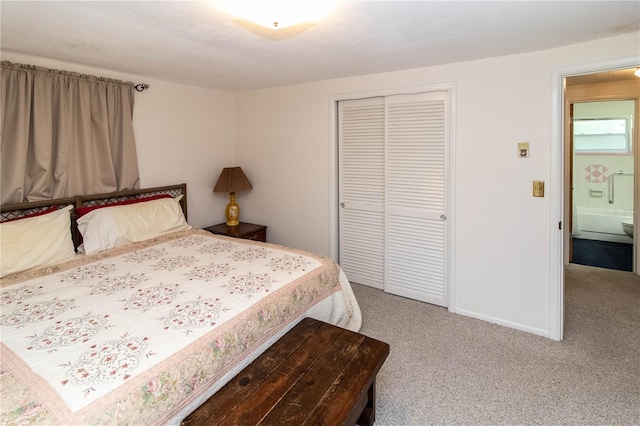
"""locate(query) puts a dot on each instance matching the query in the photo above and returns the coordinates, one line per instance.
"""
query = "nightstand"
(247, 231)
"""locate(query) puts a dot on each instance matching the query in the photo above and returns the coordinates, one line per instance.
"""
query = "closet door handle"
(443, 217)
(342, 205)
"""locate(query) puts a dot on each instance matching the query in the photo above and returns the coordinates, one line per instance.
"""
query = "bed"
(142, 327)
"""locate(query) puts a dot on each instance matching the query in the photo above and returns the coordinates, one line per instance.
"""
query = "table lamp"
(231, 180)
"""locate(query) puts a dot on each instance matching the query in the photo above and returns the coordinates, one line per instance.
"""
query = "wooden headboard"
(16, 211)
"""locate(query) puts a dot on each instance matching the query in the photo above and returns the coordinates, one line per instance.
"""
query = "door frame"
(558, 234)
(334, 234)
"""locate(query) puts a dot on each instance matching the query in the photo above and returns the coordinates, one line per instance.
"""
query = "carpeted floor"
(603, 254)
(449, 369)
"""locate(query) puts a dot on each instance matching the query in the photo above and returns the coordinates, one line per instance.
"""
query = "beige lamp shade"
(231, 180)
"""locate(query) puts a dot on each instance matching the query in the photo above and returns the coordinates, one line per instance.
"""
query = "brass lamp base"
(232, 211)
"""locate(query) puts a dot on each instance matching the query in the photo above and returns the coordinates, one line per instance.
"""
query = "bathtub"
(603, 225)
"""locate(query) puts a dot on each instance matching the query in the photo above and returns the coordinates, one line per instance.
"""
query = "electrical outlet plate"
(538, 188)
(523, 149)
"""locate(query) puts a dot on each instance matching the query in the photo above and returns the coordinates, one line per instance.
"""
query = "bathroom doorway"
(601, 129)
(603, 183)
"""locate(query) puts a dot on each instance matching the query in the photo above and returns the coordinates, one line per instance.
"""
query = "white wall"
(183, 134)
(502, 245)
(282, 136)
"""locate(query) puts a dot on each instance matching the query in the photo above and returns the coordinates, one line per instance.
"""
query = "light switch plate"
(523, 149)
(538, 188)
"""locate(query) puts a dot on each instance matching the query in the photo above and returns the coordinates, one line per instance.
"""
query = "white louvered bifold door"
(415, 222)
(361, 190)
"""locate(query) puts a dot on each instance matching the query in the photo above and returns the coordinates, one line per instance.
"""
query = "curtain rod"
(140, 87)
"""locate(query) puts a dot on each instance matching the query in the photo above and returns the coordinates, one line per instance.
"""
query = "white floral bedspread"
(127, 336)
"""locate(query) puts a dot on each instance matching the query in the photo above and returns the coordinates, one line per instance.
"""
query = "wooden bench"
(316, 374)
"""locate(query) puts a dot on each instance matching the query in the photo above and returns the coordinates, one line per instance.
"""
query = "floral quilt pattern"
(69, 332)
(117, 320)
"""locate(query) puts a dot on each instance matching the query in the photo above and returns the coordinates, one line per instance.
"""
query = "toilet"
(627, 226)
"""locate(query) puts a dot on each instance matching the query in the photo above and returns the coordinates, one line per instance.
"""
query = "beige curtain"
(64, 134)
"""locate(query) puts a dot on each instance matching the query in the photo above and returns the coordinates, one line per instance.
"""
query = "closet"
(393, 190)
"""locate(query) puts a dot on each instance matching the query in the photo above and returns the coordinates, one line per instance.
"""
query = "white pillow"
(118, 226)
(36, 242)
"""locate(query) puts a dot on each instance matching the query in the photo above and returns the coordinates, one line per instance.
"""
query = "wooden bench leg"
(368, 416)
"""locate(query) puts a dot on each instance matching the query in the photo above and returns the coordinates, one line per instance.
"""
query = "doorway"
(602, 170)
(559, 235)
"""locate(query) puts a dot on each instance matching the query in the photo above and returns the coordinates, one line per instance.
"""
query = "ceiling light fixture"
(637, 73)
(277, 14)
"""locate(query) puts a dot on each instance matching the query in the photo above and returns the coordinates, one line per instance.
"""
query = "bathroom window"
(611, 135)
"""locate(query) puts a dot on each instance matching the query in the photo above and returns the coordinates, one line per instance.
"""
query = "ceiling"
(190, 42)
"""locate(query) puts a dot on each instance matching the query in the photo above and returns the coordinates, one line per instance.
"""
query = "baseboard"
(510, 324)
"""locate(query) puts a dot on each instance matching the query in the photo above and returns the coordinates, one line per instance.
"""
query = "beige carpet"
(449, 369)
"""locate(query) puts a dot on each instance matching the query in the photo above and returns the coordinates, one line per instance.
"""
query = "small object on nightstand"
(231, 180)
(246, 231)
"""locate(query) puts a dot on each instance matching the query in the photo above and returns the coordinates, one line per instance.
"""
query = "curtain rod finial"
(141, 87)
